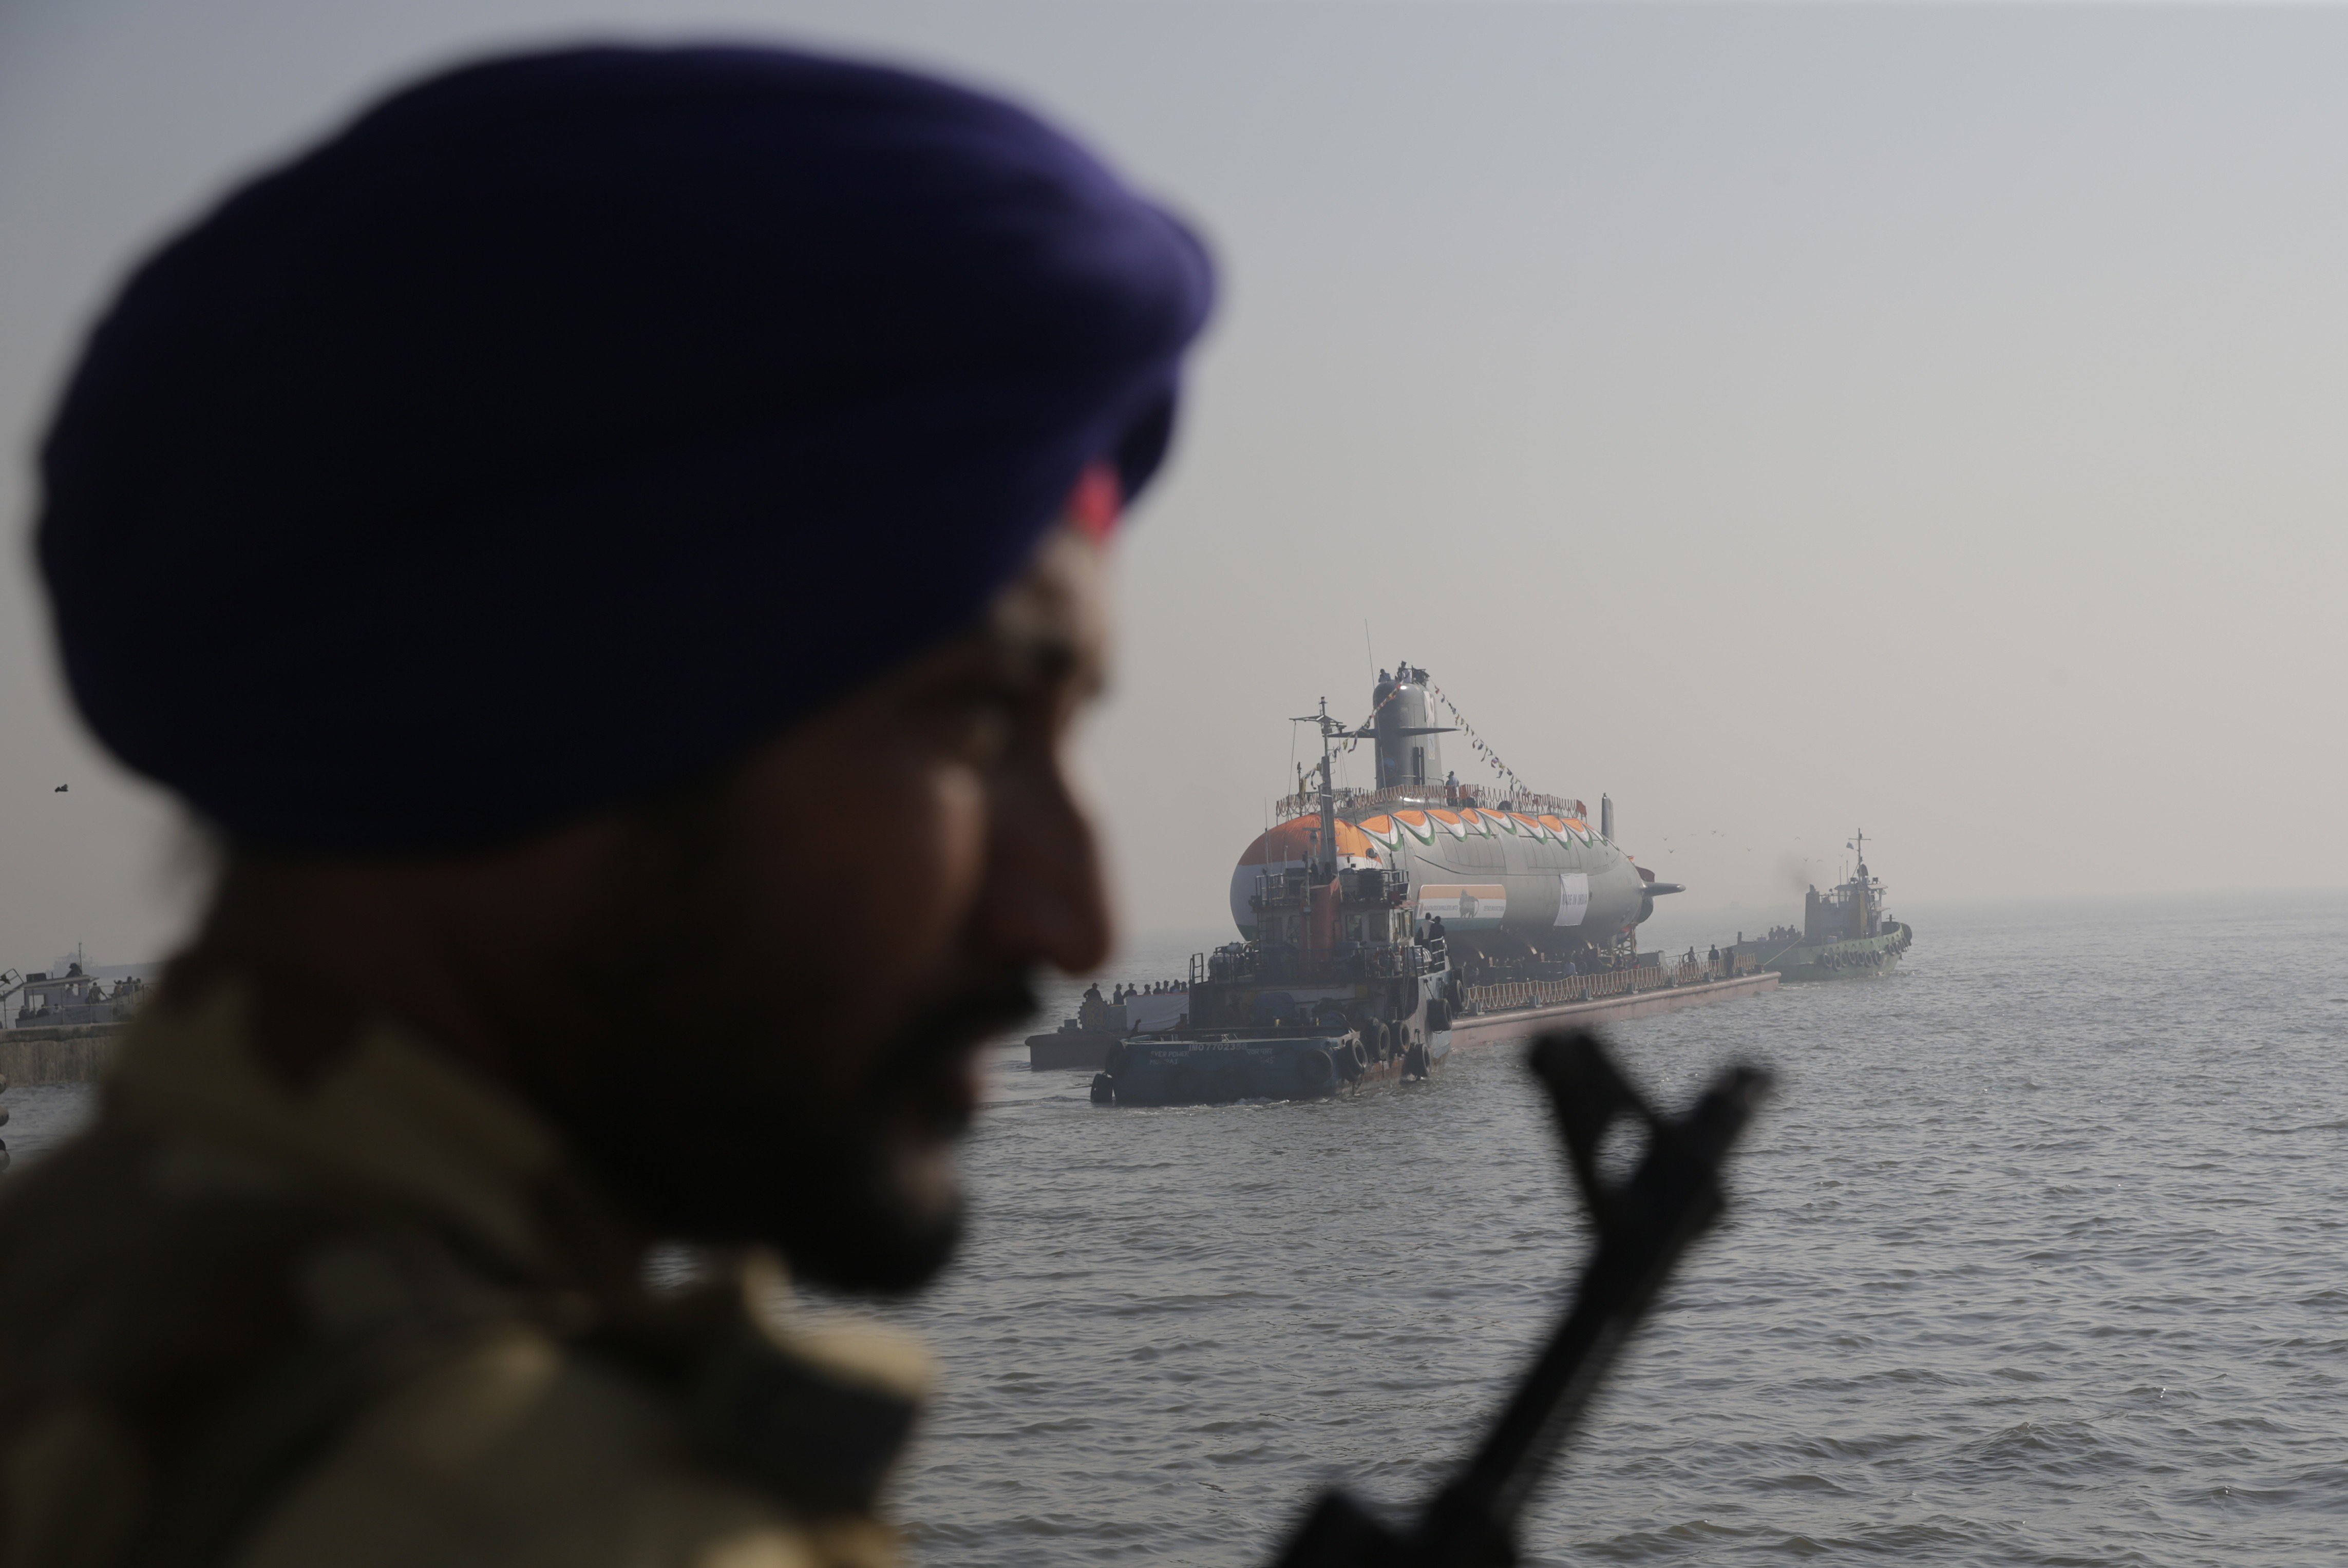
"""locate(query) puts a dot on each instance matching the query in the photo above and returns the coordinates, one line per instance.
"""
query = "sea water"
(2040, 1256)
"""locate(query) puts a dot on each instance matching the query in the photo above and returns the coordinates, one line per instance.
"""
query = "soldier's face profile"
(819, 941)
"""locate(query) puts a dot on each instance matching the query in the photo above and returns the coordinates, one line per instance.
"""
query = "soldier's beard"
(727, 1142)
(740, 1099)
(898, 1208)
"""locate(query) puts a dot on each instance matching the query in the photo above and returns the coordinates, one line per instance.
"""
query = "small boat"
(1082, 1041)
(1071, 1046)
(1846, 933)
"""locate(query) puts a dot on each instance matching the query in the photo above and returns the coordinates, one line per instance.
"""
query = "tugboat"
(1365, 997)
(1846, 933)
(1343, 986)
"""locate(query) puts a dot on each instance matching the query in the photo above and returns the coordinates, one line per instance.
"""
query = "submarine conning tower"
(1408, 750)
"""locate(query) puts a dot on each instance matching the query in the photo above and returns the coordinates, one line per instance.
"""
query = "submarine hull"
(1494, 878)
(1548, 888)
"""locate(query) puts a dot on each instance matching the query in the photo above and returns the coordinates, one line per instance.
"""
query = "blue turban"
(570, 423)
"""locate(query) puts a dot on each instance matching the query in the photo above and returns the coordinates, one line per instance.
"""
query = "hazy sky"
(1788, 420)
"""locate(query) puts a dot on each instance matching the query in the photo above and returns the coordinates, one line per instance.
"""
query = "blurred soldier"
(442, 518)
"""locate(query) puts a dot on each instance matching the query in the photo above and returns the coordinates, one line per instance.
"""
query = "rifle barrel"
(1643, 1224)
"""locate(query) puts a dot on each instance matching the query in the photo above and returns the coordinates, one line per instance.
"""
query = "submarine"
(1514, 875)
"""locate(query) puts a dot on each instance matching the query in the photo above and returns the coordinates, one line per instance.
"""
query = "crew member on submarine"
(532, 424)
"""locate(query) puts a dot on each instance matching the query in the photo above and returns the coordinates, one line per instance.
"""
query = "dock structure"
(1522, 1009)
(67, 1053)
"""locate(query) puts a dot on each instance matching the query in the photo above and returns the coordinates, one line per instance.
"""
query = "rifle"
(1643, 1223)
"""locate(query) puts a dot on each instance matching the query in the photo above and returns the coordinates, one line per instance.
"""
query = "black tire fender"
(1317, 1068)
(1116, 1057)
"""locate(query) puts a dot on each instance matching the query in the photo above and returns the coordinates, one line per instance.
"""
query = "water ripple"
(2033, 1262)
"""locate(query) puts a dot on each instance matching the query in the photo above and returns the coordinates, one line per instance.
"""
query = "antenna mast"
(1330, 730)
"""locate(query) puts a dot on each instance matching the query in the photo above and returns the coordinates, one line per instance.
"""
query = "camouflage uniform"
(379, 1320)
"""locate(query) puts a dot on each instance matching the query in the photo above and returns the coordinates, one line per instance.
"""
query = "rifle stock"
(1643, 1223)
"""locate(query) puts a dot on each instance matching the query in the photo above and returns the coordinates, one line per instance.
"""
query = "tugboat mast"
(1325, 864)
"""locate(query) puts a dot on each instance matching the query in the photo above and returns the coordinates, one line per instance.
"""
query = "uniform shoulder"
(519, 1450)
(376, 1319)
(136, 1266)
(223, 1375)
